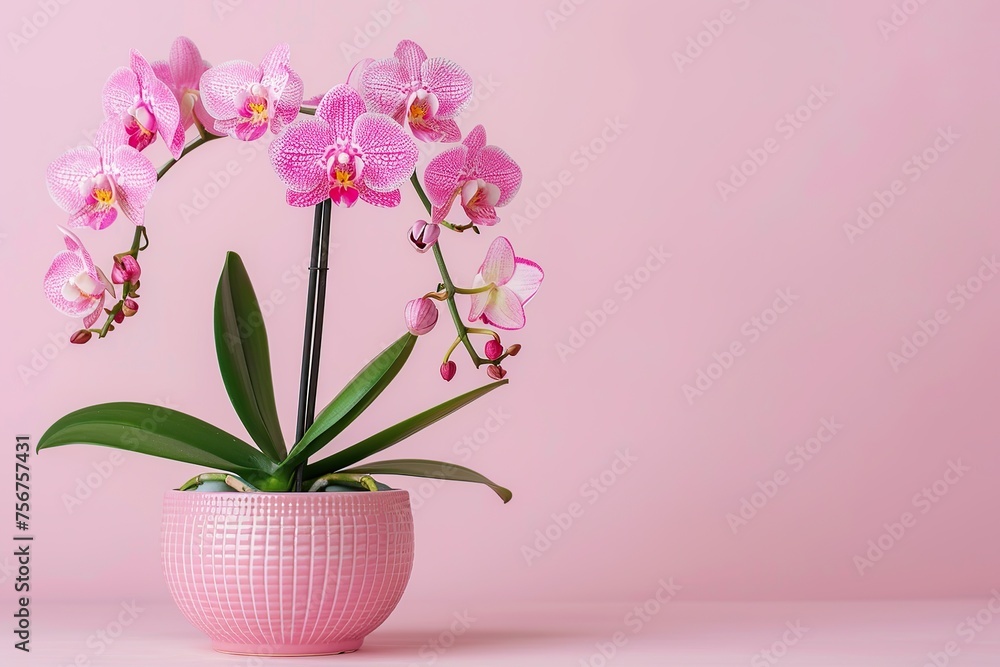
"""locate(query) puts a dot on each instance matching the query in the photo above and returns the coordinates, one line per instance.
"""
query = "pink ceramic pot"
(287, 573)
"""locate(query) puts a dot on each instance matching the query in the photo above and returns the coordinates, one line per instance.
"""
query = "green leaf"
(241, 344)
(352, 400)
(159, 431)
(393, 434)
(432, 469)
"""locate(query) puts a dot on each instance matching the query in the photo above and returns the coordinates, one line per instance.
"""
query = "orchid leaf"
(159, 431)
(431, 469)
(396, 433)
(244, 359)
(352, 400)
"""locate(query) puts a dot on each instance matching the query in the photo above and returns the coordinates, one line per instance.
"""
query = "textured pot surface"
(287, 573)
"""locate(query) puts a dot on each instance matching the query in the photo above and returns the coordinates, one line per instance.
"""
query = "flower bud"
(448, 370)
(514, 349)
(424, 234)
(493, 349)
(421, 315)
(119, 317)
(125, 270)
(495, 372)
(80, 337)
(130, 307)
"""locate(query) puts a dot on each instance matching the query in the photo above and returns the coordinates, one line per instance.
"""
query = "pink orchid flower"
(344, 153)
(87, 182)
(426, 92)
(73, 284)
(484, 176)
(245, 99)
(513, 282)
(182, 74)
(144, 104)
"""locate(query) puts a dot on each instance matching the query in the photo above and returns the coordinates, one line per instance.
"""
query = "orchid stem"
(140, 240)
(449, 286)
(484, 332)
(474, 290)
(451, 348)
(203, 139)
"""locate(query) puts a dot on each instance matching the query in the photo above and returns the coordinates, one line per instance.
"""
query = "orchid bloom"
(182, 74)
(428, 93)
(344, 153)
(512, 282)
(484, 176)
(245, 99)
(87, 182)
(145, 106)
(73, 284)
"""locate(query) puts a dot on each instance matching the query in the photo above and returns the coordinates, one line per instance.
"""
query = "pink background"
(554, 87)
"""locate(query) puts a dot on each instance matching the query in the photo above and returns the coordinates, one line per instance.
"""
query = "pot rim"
(283, 494)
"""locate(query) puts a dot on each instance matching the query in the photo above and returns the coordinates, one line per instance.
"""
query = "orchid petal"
(161, 98)
(65, 174)
(375, 198)
(436, 129)
(442, 174)
(109, 136)
(526, 280)
(479, 299)
(246, 130)
(344, 196)
(341, 107)
(355, 78)
(205, 118)
(65, 265)
(498, 266)
(320, 193)
(186, 64)
(95, 314)
(135, 178)
(504, 310)
(386, 87)
(484, 216)
(161, 68)
(297, 154)
(495, 166)
(286, 109)
(452, 85)
(274, 71)
(221, 85)
(448, 129)
(410, 57)
(475, 140)
(120, 92)
(74, 244)
(91, 216)
(389, 154)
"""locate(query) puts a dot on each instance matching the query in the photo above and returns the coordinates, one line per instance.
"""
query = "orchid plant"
(357, 144)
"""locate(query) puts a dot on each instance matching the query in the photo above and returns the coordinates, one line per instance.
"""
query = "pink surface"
(941, 633)
(287, 574)
(766, 296)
